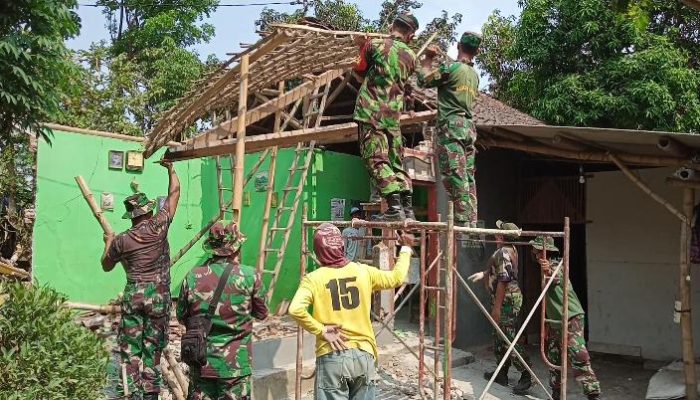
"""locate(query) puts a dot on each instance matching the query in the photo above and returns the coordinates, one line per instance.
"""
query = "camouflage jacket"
(503, 267)
(388, 64)
(458, 87)
(229, 345)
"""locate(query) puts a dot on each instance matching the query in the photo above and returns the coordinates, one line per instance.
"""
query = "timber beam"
(339, 133)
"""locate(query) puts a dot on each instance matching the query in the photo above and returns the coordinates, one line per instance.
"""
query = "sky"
(235, 25)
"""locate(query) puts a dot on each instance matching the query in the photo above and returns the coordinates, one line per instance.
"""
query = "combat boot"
(594, 396)
(375, 197)
(407, 205)
(150, 396)
(394, 210)
(555, 394)
(524, 383)
(502, 377)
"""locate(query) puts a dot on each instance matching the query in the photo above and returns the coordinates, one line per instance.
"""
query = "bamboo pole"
(125, 382)
(685, 295)
(240, 143)
(175, 367)
(300, 332)
(7, 269)
(96, 211)
(449, 317)
(646, 188)
(103, 309)
(565, 313)
(175, 389)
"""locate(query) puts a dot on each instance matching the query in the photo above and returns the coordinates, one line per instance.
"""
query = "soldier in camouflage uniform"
(144, 252)
(457, 84)
(386, 65)
(579, 359)
(227, 373)
(507, 300)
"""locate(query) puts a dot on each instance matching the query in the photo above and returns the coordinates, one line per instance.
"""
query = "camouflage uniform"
(380, 102)
(457, 84)
(503, 267)
(144, 252)
(227, 373)
(579, 359)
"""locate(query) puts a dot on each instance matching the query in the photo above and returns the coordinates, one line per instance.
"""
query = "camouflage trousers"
(579, 359)
(382, 152)
(456, 157)
(509, 324)
(220, 389)
(143, 334)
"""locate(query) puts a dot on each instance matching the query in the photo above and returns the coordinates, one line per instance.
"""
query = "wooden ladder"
(289, 209)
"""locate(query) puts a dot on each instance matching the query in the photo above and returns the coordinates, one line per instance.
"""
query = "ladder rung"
(223, 188)
(289, 189)
(270, 250)
(433, 348)
(296, 169)
(278, 229)
(268, 272)
(302, 149)
(434, 288)
(285, 208)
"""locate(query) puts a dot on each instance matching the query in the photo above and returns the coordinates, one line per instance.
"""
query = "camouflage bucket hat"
(507, 226)
(409, 20)
(224, 239)
(471, 39)
(544, 242)
(137, 205)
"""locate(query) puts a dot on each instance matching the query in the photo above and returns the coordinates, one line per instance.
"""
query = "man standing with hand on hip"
(340, 292)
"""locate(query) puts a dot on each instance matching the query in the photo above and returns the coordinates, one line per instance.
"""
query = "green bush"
(44, 353)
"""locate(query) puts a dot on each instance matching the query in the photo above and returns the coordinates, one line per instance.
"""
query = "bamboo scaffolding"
(240, 143)
(96, 211)
(103, 309)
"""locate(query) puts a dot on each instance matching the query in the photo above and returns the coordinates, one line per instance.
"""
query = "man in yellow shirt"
(340, 292)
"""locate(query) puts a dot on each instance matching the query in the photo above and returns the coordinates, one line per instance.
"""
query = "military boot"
(594, 396)
(150, 396)
(555, 394)
(502, 377)
(394, 210)
(407, 205)
(524, 383)
(375, 197)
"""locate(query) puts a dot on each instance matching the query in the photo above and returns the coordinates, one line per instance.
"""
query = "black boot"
(150, 396)
(394, 210)
(594, 396)
(524, 383)
(502, 377)
(555, 394)
(407, 205)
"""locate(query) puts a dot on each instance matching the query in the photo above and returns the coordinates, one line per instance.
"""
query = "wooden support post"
(685, 290)
(175, 367)
(300, 331)
(96, 211)
(240, 143)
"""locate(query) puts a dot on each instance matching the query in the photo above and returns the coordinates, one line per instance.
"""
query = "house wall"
(496, 179)
(633, 261)
(68, 241)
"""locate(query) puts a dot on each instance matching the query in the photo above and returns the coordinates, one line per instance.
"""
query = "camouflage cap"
(471, 39)
(544, 242)
(507, 226)
(409, 20)
(224, 239)
(137, 205)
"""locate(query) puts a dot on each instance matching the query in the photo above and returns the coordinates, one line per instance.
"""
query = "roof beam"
(339, 133)
(229, 128)
(692, 3)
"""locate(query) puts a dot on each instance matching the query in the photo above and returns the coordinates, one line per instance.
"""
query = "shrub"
(44, 354)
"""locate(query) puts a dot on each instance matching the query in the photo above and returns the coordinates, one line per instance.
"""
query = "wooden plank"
(240, 143)
(340, 133)
(266, 109)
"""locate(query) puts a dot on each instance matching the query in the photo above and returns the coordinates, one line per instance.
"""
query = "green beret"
(409, 20)
(471, 39)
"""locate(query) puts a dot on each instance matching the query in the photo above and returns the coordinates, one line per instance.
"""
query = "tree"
(124, 85)
(592, 63)
(34, 66)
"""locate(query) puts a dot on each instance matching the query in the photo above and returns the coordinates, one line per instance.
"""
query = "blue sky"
(235, 24)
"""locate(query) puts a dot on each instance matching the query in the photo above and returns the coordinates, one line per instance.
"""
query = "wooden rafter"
(339, 133)
(266, 109)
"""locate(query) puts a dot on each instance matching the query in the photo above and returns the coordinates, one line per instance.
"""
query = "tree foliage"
(44, 353)
(595, 63)
(125, 84)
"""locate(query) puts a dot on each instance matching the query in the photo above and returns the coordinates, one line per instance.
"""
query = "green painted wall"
(68, 240)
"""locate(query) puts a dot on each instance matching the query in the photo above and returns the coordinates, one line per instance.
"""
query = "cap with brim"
(224, 239)
(354, 210)
(409, 20)
(507, 226)
(544, 242)
(137, 205)
(471, 39)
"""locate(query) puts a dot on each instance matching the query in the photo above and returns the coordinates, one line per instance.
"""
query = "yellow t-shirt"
(343, 297)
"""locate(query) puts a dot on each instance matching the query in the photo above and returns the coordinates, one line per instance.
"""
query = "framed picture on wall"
(116, 159)
(134, 161)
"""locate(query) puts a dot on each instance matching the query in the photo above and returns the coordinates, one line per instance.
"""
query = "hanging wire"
(271, 3)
